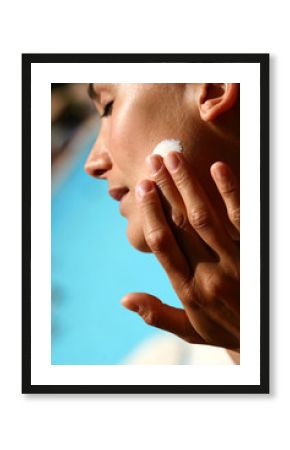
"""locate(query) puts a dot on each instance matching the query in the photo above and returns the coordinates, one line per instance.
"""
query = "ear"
(216, 99)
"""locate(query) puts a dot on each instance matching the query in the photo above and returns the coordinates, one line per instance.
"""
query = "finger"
(159, 236)
(229, 190)
(160, 315)
(175, 210)
(199, 210)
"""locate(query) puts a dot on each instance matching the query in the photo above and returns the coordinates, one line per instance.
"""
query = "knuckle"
(163, 183)
(182, 178)
(148, 202)
(228, 188)
(150, 317)
(212, 287)
(190, 297)
(199, 218)
(179, 219)
(157, 239)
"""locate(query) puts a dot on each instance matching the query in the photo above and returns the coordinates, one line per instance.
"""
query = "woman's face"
(140, 116)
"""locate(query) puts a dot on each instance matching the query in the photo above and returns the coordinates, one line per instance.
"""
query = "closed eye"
(108, 109)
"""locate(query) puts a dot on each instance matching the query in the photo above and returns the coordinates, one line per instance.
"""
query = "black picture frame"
(263, 61)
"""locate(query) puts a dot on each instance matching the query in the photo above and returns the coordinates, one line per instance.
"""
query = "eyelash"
(107, 109)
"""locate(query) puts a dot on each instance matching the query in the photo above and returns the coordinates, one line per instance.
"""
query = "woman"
(183, 208)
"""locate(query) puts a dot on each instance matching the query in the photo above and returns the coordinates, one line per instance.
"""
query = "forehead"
(96, 89)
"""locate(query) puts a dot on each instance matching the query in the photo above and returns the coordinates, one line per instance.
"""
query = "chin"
(136, 238)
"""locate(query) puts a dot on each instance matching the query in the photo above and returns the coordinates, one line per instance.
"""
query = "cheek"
(135, 130)
(127, 150)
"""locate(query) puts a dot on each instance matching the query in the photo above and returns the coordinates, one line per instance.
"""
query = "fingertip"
(154, 163)
(222, 175)
(218, 168)
(143, 188)
(172, 161)
(129, 303)
(140, 302)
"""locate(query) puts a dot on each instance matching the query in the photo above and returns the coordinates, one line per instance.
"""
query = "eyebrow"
(92, 93)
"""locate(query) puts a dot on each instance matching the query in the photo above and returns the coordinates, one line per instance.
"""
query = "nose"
(98, 163)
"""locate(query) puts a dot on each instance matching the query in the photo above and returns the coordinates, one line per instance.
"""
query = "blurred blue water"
(93, 267)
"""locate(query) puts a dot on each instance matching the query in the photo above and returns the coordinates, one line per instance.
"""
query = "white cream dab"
(166, 146)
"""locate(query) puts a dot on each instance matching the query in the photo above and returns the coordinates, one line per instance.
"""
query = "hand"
(184, 231)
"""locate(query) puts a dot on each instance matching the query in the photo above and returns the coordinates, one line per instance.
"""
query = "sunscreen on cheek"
(166, 146)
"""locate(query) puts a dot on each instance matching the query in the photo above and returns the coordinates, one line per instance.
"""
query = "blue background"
(93, 267)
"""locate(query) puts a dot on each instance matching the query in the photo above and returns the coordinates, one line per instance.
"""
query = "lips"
(118, 192)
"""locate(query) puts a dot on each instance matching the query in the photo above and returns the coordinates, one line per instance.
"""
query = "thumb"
(160, 315)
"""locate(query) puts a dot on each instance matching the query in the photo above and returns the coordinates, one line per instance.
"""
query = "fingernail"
(144, 187)
(172, 161)
(131, 305)
(155, 163)
(221, 173)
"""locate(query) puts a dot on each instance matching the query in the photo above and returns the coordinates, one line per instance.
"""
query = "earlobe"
(216, 99)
